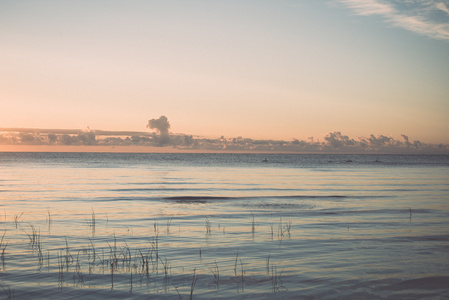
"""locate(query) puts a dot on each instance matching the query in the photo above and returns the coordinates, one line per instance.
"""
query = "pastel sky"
(277, 69)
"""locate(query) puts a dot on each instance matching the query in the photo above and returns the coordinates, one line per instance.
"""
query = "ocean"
(223, 226)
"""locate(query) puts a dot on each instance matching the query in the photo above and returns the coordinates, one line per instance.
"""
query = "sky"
(278, 69)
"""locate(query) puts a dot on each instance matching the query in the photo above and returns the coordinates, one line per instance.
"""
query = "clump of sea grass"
(235, 263)
(253, 224)
(276, 280)
(168, 224)
(268, 263)
(78, 275)
(60, 269)
(192, 286)
(3, 249)
(16, 220)
(8, 292)
(208, 226)
(34, 237)
(284, 229)
(92, 222)
(216, 273)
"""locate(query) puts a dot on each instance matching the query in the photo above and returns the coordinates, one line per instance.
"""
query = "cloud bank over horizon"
(333, 142)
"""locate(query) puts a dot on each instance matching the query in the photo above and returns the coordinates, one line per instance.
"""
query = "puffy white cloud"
(162, 126)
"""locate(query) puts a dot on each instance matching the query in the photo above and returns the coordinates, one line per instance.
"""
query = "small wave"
(431, 238)
(279, 206)
(425, 283)
(314, 196)
(196, 199)
(392, 211)
(154, 189)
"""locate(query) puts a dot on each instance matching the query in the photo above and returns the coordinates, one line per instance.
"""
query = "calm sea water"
(240, 226)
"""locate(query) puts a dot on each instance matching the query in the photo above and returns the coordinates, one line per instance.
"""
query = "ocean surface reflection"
(223, 226)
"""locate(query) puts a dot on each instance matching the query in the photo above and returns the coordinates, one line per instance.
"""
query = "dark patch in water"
(205, 198)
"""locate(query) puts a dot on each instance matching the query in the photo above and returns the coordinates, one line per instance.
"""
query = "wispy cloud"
(419, 16)
(369, 7)
(442, 6)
